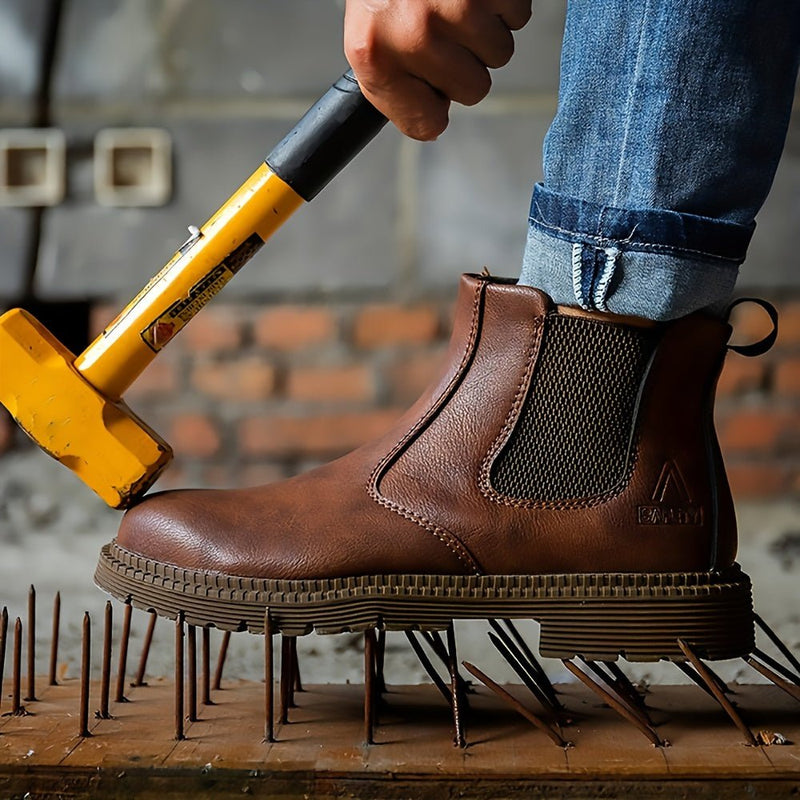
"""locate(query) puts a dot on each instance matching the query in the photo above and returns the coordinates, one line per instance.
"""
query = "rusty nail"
(777, 666)
(369, 685)
(613, 684)
(3, 640)
(105, 672)
(459, 739)
(119, 695)
(516, 705)
(179, 735)
(621, 708)
(191, 655)
(297, 685)
(148, 641)
(54, 639)
(776, 640)
(536, 669)
(428, 667)
(286, 678)
(790, 688)
(86, 666)
(708, 679)
(269, 680)
(31, 645)
(223, 652)
(205, 661)
(380, 657)
(16, 670)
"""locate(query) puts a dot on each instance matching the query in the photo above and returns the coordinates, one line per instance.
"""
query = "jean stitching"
(601, 290)
(577, 274)
(602, 241)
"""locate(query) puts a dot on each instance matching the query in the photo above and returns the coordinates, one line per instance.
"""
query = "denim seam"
(625, 245)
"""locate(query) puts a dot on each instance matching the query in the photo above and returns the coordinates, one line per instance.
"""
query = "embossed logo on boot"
(672, 503)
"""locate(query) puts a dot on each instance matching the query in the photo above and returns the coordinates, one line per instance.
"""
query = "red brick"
(740, 375)
(347, 383)
(787, 377)
(408, 377)
(789, 324)
(324, 435)
(292, 328)
(753, 480)
(214, 330)
(388, 325)
(159, 378)
(194, 434)
(759, 430)
(249, 378)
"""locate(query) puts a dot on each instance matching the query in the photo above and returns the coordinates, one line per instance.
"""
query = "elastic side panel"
(574, 433)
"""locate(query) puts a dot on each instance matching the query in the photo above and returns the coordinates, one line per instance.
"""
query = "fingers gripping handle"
(331, 133)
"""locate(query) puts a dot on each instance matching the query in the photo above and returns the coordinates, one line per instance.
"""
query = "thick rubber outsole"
(599, 616)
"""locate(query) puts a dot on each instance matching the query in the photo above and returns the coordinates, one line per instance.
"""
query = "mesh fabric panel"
(574, 432)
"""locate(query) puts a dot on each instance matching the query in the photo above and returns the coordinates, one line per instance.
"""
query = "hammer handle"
(330, 134)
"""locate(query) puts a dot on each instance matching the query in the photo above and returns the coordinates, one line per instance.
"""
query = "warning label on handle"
(161, 331)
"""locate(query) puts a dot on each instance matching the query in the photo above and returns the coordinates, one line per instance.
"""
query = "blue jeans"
(671, 119)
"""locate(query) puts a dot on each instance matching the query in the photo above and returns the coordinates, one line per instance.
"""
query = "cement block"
(32, 166)
(344, 240)
(14, 234)
(475, 185)
(21, 35)
(131, 50)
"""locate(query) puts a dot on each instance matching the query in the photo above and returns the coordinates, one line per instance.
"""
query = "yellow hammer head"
(102, 441)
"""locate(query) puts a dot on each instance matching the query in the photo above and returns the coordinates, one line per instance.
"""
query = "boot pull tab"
(757, 348)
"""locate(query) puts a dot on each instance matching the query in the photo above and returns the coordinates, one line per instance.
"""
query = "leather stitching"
(450, 540)
(484, 483)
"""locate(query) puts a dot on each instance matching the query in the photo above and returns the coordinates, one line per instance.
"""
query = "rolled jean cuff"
(654, 263)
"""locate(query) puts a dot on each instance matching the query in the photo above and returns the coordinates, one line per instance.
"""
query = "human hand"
(413, 57)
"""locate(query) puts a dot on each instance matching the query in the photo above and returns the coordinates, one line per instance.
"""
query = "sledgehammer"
(72, 407)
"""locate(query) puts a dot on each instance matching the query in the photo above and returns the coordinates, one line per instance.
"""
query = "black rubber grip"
(330, 134)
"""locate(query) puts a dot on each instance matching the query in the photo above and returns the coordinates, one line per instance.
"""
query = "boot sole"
(600, 616)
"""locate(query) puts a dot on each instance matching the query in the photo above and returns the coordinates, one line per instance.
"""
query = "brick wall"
(342, 319)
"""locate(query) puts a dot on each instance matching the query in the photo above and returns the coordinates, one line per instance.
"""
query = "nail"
(428, 667)
(105, 672)
(621, 708)
(205, 659)
(369, 685)
(776, 640)
(192, 676)
(86, 665)
(145, 654)
(269, 680)
(31, 645)
(54, 639)
(459, 738)
(223, 652)
(286, 678)
(179, 676)
(3, 640)
(16, 670)
(717, 691)
(119, 695)
(516, 705)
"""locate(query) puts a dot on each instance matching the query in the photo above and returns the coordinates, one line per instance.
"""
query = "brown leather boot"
(564, 468)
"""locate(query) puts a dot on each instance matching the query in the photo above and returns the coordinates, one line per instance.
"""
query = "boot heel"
(714, 614)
